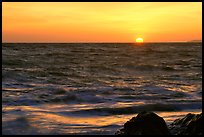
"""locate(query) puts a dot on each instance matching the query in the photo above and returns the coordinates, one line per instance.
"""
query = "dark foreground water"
(96, 88)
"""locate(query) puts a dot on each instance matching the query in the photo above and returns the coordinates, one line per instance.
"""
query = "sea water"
(94, 88)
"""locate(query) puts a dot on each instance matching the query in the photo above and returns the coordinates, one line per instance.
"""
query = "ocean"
(94, 88)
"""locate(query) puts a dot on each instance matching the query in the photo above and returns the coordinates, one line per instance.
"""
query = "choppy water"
(95, 88)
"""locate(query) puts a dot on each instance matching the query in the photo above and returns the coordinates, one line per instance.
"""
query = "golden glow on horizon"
(101, 21)
(139, 40)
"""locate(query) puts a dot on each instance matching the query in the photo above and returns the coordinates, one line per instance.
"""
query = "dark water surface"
(94, 88)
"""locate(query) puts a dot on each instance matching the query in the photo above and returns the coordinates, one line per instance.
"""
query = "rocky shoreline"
(149, 123)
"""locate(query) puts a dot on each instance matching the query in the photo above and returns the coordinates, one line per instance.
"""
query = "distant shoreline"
(195, 41)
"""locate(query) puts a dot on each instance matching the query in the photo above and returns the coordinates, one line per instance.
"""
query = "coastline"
(40, 119)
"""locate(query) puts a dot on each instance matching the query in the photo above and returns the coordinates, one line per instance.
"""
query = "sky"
(101, 21)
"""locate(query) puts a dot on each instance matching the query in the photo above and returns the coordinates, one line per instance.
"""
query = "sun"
(139, 40)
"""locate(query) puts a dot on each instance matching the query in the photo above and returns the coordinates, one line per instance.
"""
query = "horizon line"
(114, 42)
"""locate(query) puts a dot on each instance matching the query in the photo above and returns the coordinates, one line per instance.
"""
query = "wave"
(137, 109)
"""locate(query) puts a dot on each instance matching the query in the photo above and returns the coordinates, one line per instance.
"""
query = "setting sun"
(139, 40)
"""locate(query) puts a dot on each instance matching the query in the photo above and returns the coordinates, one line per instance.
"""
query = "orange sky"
(101, 22)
